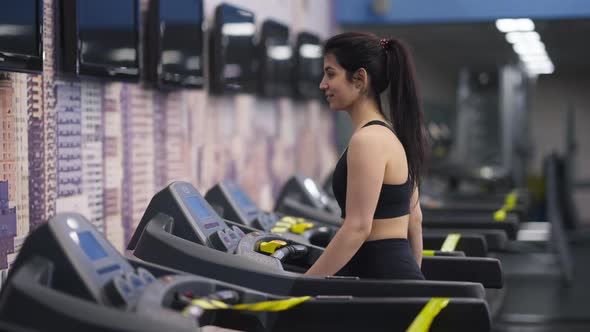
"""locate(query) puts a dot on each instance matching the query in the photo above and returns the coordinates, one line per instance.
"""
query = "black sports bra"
(394, 199)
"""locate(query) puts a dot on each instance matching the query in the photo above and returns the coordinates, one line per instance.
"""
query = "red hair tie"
(385, 43)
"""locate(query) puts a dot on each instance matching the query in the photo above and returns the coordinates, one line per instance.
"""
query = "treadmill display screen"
(243, 200)
(90, 246)
(244, 204)
(197, 207)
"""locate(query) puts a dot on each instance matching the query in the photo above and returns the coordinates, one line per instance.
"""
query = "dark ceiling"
(481, 44)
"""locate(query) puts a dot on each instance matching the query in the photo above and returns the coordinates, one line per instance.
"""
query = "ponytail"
(404, 106)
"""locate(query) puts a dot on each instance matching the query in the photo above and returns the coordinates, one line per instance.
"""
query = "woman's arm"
(366, 167)
(415, 227)
(342, 247)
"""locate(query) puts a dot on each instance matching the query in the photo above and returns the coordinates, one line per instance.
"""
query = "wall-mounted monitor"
(309, 66)
(21, 32)
(101, 38)
(232, 51)
(275, 60)
(174, 43)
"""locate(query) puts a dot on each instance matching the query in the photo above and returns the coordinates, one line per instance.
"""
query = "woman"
(377, 178)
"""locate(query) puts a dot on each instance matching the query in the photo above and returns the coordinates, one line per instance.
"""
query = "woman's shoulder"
(377, 136)
(375, 142)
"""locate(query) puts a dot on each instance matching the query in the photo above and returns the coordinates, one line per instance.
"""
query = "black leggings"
(383, 259)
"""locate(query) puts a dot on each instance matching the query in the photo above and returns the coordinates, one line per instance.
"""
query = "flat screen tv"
(232, 51)
(173, 51)
(309, 66)
(275, 60)
(21, 31)
(101, 38)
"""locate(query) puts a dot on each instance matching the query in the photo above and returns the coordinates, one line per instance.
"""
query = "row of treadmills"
(218, 262)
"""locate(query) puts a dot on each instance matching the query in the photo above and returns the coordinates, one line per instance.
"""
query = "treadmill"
(14, 328)
(530, 249)
(232, 203)
(180, 228)
(301, 197)
(68, 277)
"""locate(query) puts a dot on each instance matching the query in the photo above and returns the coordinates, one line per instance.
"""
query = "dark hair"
(389, 64)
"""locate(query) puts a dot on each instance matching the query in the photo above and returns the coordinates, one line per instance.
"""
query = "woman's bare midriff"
(390, 228)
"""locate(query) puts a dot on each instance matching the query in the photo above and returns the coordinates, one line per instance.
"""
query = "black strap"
(377, 122)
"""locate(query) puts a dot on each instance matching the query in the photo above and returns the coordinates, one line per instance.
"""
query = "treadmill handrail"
(486, 270)
(472, 245)
(508, 227)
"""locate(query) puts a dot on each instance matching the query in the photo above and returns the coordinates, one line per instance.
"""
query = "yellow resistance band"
(277, 305)
(424, 319)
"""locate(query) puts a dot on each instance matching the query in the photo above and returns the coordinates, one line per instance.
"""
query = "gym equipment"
(67, 277)
(179, 218)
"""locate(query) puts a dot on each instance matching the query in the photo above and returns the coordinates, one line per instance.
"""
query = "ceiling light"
(544, 68)
(529, 49)
(534, 57)
(525, 24)
(522, 37)
(509, 24)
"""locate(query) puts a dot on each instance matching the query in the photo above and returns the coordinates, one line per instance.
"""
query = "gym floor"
(544, 304)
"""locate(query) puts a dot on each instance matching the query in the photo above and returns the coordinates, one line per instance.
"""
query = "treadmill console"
(69, 277)
(247, 210)
(203, 219)
(94, 269)
(241, 200)
(308, 192)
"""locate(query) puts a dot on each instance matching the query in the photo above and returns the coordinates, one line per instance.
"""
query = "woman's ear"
(360, 79)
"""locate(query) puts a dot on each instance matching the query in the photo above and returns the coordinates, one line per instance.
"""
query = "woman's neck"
(363, 111)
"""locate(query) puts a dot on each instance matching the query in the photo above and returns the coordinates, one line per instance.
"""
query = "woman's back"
(392, 210)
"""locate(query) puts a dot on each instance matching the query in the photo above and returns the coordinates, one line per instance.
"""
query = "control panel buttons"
(118, 291)
(135, 280)
(122, 289)
(238, 232)
(146, 276)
